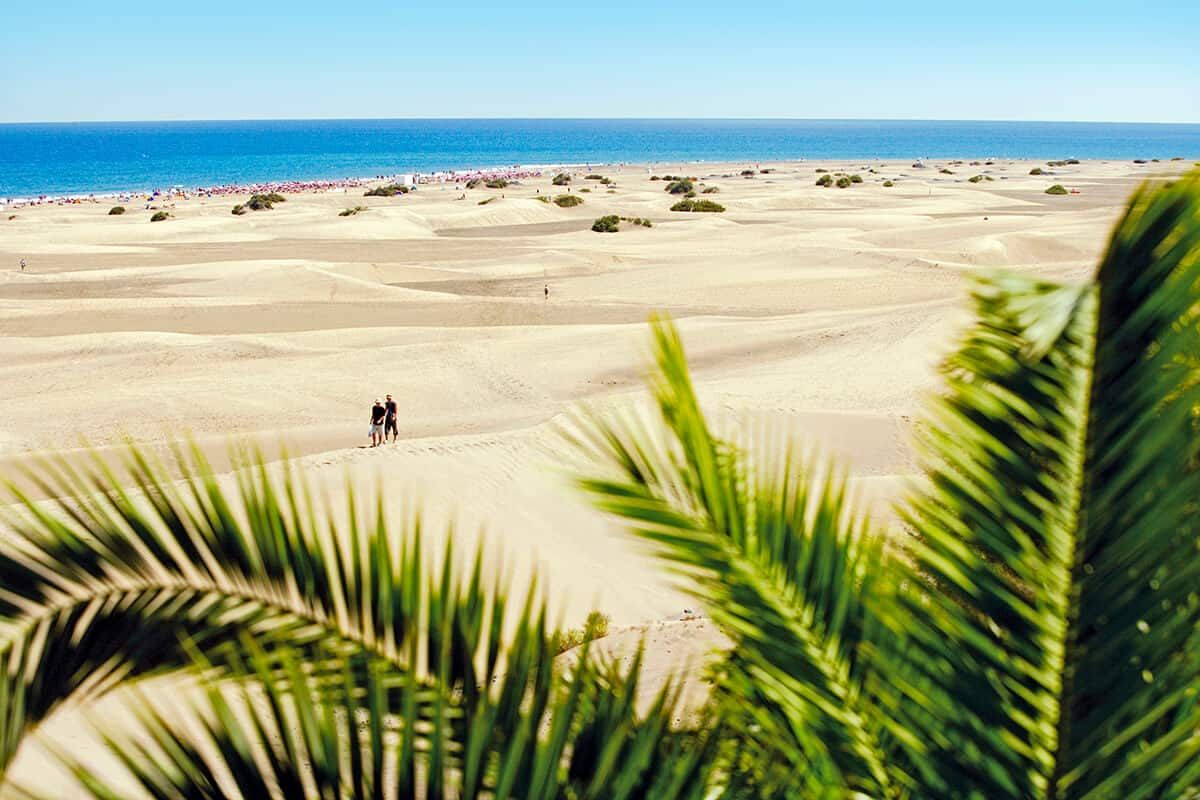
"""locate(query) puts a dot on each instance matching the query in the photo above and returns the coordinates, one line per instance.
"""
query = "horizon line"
(592, 119)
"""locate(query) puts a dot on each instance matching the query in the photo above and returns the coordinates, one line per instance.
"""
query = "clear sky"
(241, 59)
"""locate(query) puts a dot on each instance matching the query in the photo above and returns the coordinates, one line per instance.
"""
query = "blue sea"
(83, 158)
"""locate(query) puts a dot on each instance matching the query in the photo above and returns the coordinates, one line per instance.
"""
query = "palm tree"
(1032, 631)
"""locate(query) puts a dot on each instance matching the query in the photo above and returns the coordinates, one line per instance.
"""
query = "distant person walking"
(378, 412)
(22, 265)
(546, 289)
(390, 420)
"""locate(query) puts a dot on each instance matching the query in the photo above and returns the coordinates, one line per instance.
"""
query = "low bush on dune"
(568, 201)
(645, 223)
(159, 216)
(264, 202)
(888, 184)
(945, 171)
(825, 180)
(609, 223)
(594, 627)
(497, 183)
(488, 200)
(239, 210)
(1056, 189)
(843, 182)
(697, 205)
(711, 190)
(350, 212)
(689, 194)
(116, 211)
(655, 178)
(856, 178)
(541, 198)
(593, 177)
(975, 179)
(747, 173)
(391, 190)
(561, 179)
(584, 189)
(820, 170)
(1036, 171)
(474, 183)
(680, 186)
(766, 171)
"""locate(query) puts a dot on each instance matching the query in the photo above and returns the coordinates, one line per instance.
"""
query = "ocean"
(83, 158)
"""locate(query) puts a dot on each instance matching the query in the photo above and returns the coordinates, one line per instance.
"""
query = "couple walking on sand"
(383, 421)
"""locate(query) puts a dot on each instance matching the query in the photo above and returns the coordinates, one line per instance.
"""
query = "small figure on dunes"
(546, 289)
(389, 424)
(22, 265)
(378, 412)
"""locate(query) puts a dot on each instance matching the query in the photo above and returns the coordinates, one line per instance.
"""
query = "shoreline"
(513, 172)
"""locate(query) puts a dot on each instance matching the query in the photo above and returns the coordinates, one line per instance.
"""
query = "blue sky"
(236, 59)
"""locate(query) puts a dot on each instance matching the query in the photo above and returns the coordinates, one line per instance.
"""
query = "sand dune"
(822, 312)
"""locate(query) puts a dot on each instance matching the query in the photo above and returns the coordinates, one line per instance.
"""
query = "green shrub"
(391, 190)
(711, 190)
(485, 201)
(975, 179)
(645, 223)
(264, 202)
(116, 211)
(561, 179)
(843, 182)
(680, 186)
(1056, 189)
(825, 180)
(766, 171)
(655, 178)
(595, 627)
(856, 178)
(607, 224)
(747, 173)
(689, 194)
(888, 184)
(541, 198)
(697, 205)
(497, 183)
(568, 201)
(584, 189)
(945, 171)
(238, 210)
(819, 170)
(159, 216)
(593, 177)
(1036, 171)
(474, 183)
(350, 212)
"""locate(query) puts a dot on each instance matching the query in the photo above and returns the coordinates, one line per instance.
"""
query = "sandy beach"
(821, 310)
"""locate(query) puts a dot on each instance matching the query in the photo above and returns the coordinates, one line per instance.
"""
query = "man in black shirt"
(390, 422)
(377, 414)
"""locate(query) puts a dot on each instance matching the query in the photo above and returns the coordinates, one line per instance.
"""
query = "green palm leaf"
(1059, 532)
(785, 567)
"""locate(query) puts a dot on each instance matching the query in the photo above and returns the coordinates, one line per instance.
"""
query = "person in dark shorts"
(389, 424)
(378, 412)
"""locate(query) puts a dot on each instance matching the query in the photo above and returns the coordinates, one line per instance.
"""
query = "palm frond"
(782, 565)
(102, 584)
(297, 739)
(1040, 629)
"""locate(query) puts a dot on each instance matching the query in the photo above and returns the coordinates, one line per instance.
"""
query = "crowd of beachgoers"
(281, 187)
